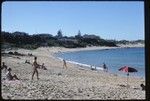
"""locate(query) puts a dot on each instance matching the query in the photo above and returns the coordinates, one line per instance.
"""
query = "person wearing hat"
(9, 76)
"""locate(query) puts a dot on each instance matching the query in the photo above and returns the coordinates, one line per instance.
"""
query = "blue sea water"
(113, 58)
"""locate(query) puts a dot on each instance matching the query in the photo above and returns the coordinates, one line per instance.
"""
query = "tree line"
(24, 40)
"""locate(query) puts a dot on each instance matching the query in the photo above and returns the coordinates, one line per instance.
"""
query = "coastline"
(86, 66)
(71, 83)
(99, 48)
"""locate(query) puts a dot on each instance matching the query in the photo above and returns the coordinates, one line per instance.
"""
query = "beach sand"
(58, 83)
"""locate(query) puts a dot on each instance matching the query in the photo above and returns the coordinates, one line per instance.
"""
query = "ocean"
(113, 58)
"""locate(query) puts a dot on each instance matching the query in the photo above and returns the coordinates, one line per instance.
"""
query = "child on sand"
(9, 76)
(64, 64)
(35, 66)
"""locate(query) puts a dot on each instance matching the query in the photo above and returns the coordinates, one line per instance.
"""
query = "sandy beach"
(58, 83)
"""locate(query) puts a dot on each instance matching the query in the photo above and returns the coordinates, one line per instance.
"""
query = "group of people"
(9, 75)
(35, 65)
(105, 68)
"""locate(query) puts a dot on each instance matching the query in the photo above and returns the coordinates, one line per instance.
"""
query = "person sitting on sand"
(4, 66)
(9, 76)
(64, 64)
(30, 54)
(143, 86)
(43, 67)
(27, 62)
(35, 66)
(105, 67)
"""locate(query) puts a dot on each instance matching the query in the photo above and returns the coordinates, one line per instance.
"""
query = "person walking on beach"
(64, 64)
(9, 76)
(35, 66)
(105, 67)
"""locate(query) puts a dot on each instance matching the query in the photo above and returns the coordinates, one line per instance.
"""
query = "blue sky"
(109, 20)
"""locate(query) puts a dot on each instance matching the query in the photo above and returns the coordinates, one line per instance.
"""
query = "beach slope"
(58, 83)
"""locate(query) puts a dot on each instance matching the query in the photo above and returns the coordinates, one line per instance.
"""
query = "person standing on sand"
(64, 64)
(35, 66)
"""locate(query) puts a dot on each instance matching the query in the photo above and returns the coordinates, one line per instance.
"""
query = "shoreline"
(86, 66)
(57, 50)
(58, 83)
(99, 48)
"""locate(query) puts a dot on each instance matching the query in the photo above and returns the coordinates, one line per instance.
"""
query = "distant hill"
(130, 42)
(126, 42)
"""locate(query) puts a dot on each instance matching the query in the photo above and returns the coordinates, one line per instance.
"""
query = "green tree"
(59, 34)
(78, 35)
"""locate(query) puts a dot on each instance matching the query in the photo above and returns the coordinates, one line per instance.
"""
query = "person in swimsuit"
(105, 67)
(64, 64)
(35, 66)
(9, 76)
